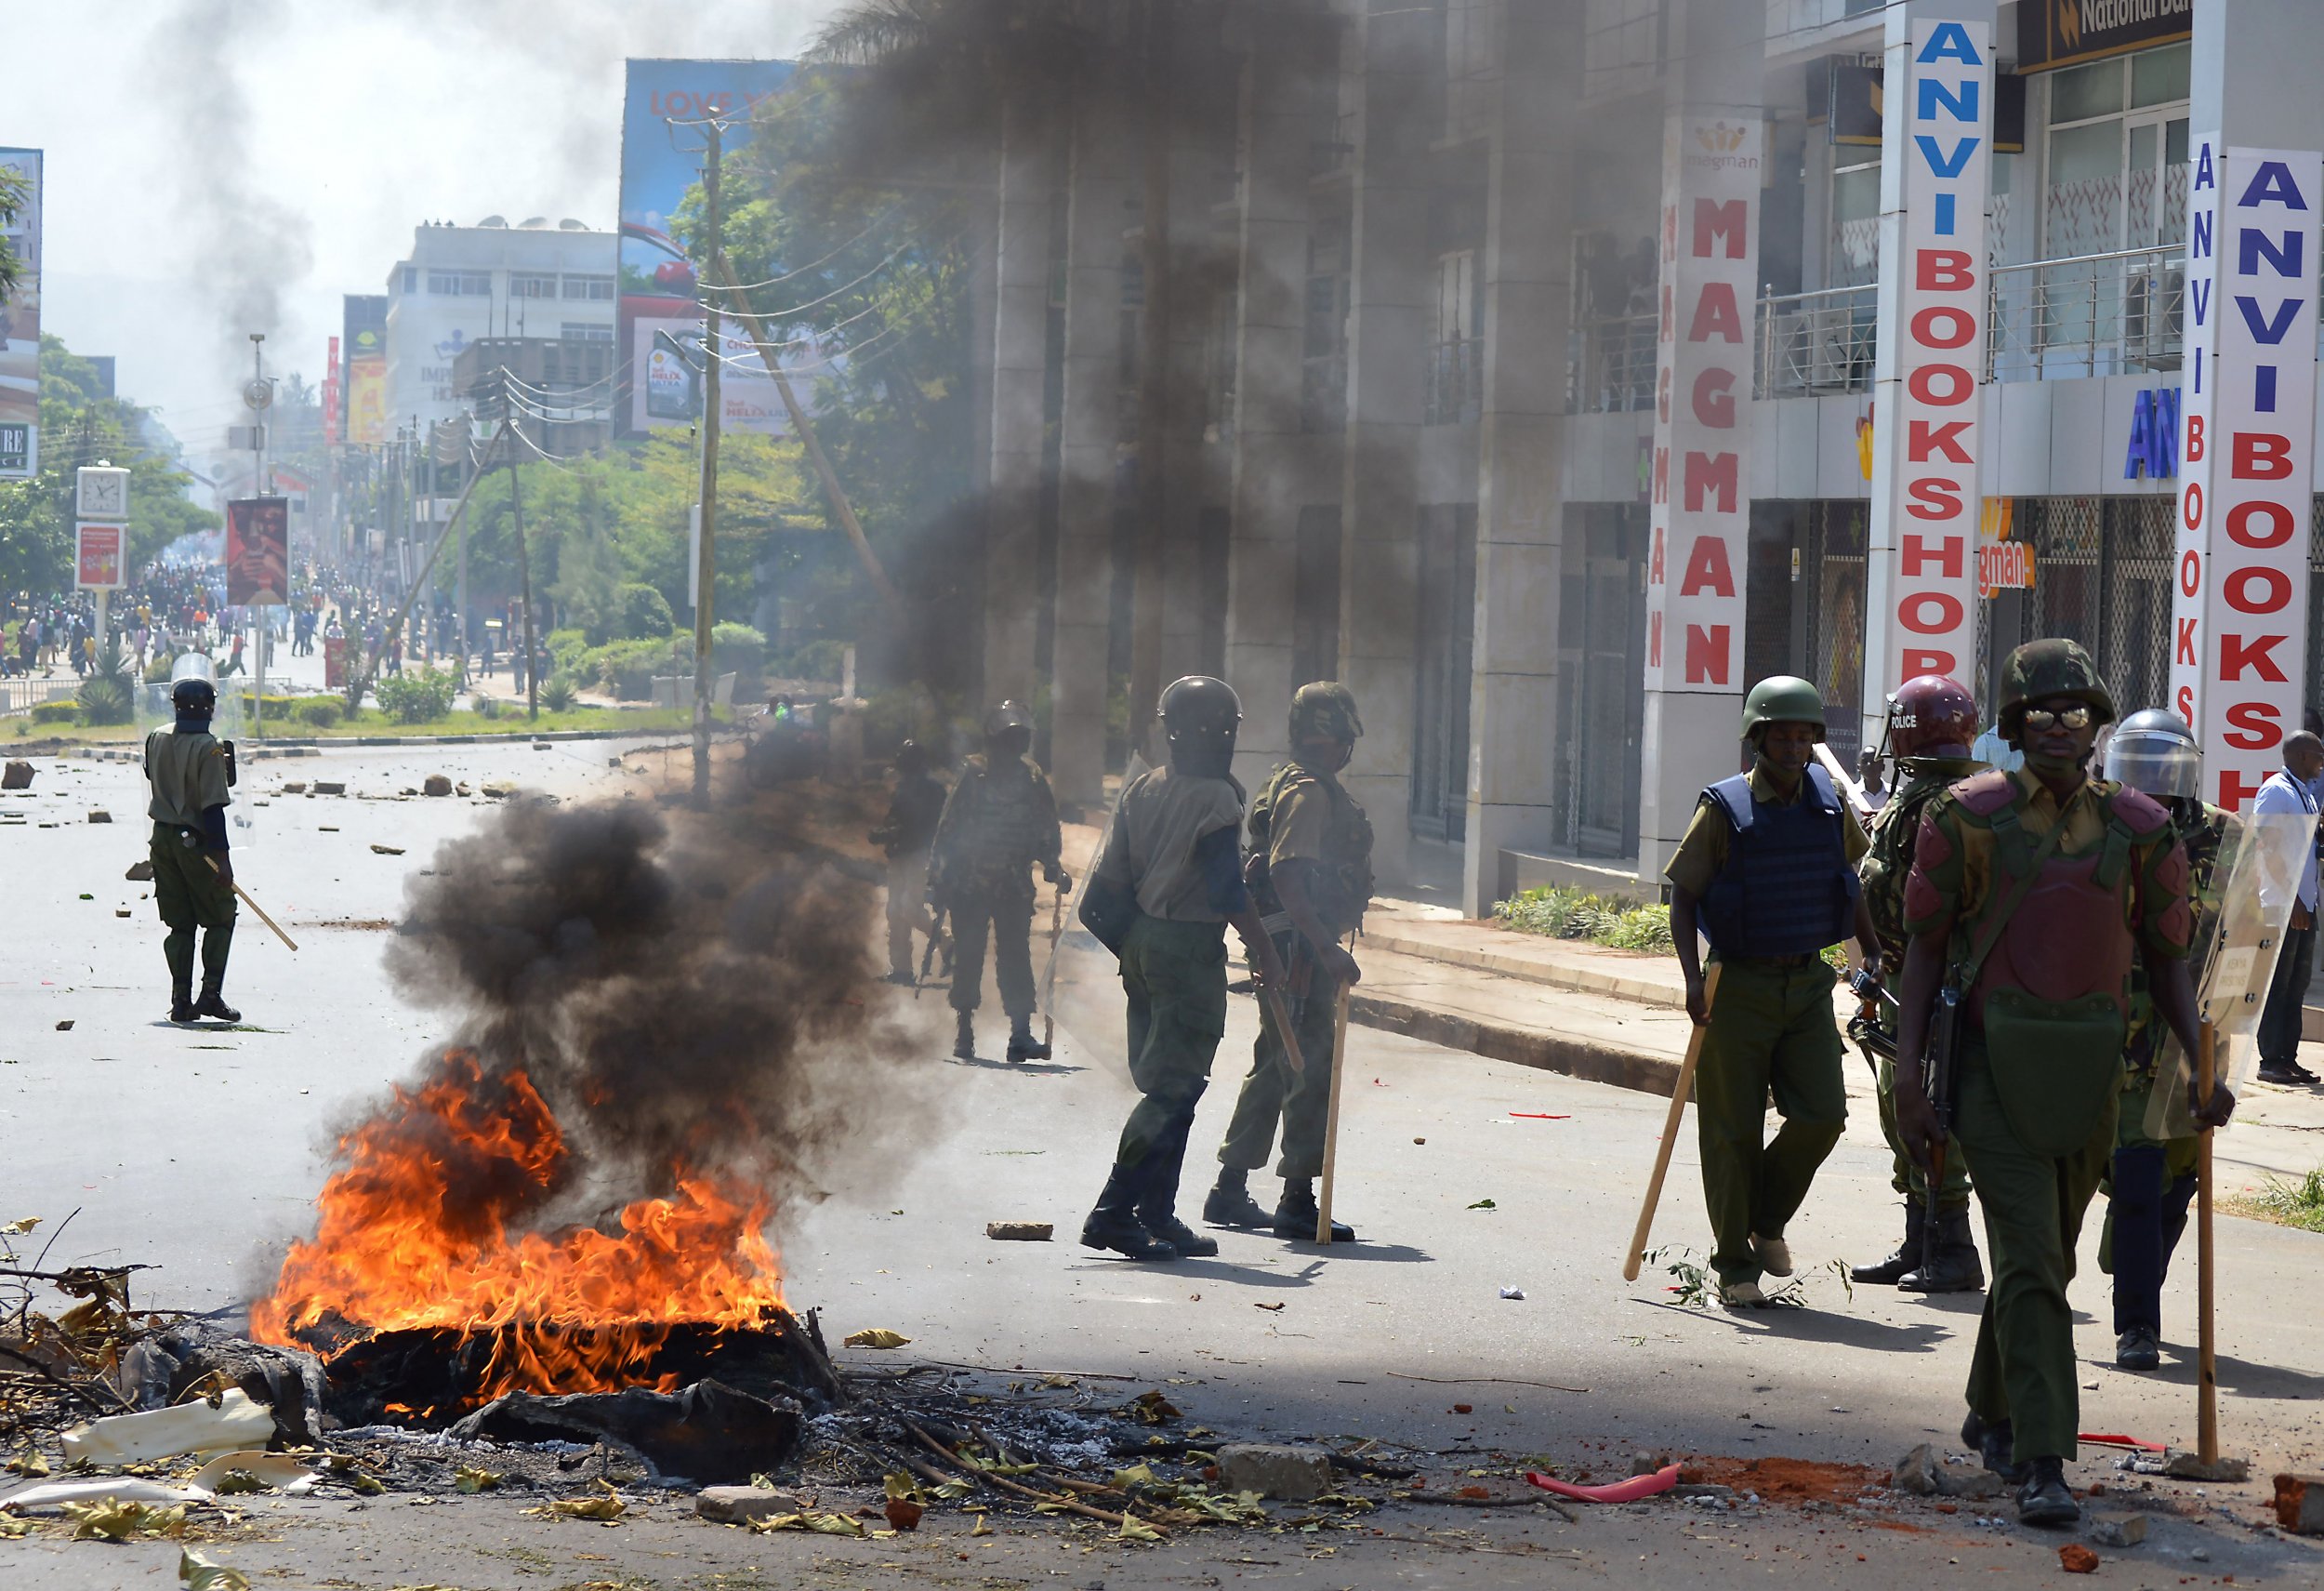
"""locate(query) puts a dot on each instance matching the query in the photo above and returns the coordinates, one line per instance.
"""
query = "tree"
(16, 190)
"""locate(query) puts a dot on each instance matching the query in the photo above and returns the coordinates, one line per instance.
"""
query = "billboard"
(96, 557)
(331, 393)
(20, 328)
(657, 389)
(257, 552)
(364, 346)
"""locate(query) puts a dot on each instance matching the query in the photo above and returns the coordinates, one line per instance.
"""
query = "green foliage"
(55, 711)
(15, 190)
(645, 612)
(557, 694)
(1559, 912)
(157, 668)
(320, 711)
(737, 648)
(627, 669)
(105, 695)
(815, 660)
(416, 694)
(2289, 1204)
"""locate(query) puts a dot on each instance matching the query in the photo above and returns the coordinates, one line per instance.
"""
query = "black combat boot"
(1295, 1217)
(1230, 1203)
(1955, 1267)
(213, 1003)
(1022, 1045)
(1994, 1444)
(964, 1036)
(1114, 1224)
(1158, 1198)
(1907, 1256)
(2045, 1499)
(181, 1004)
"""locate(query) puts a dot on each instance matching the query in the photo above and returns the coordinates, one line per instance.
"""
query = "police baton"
(244, 896)
(1671, 1130)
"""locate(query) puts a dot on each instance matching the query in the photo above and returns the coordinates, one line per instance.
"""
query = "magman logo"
(1720, 138)
(2069, 25)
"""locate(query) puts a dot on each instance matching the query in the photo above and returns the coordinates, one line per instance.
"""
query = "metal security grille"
(2066, 594)
(2312, 685)
(2135, 622)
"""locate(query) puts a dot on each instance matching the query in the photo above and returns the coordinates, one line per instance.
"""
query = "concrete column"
(1021, 287)
(1928, 447)
(1698, 558)
(1187, 460)
(1529, 295)
(2248, 399)
(1101, 201)
(1388, 334)
(1273, 464)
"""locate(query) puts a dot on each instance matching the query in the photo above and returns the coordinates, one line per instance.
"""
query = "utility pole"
(524, 567)
(1154, 381)
(707, 559)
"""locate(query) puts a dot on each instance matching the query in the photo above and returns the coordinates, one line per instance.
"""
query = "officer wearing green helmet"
(1767, 872)
(1310, 871)
(2040, 980)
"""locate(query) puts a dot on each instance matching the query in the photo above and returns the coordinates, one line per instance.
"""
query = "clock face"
(104, 494)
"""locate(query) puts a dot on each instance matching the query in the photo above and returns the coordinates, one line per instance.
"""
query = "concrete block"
(2300, 1503)
(1294, 1475)
(742, 1505)
(1924, 1473)
(2116, 1529)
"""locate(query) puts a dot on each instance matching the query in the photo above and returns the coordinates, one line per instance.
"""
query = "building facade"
(462, 284)
(1549, 370)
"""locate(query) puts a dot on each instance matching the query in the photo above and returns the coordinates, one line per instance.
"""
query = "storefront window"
(2117, 155)
(1853, 255)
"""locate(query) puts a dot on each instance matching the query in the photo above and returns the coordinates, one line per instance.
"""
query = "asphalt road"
(199, 1152)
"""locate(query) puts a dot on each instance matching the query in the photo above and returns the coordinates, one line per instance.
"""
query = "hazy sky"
(216, 167)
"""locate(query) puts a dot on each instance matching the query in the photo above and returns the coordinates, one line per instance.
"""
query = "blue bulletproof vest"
(1786, 889)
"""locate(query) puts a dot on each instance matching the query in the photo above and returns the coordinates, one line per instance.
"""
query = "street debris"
(329, 787)
(65, 1025)
(1636, 1488)
(1020, 1231)
(1290, 1474)
(379, 850)
(2116, 1529)
(100, 814)
(232, 1421)
(197, 1572)
(436, 785)
(1924, 1473)
(140, 871)
(2300, 1503)
(605, 1505)
(874, 1337)
(2076, 1558)
(1517, 1295)
(16, 776)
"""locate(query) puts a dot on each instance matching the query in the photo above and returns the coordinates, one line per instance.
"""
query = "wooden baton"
(1671, 1130)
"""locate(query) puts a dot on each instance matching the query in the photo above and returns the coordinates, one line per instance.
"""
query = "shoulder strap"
(1733, 795)
(1827, 793)
(1967, 976)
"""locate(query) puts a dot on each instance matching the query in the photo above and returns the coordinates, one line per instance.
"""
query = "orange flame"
(413, 1235)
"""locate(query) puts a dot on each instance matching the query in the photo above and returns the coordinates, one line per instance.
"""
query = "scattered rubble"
(98, 815)
(436, 785)
(329, 787)
(379, 850)
(1291, 1474)
(2116, 1529)
(2300, 1503)
(1020, 1231)
(140, 871)
(16, 776)
(2076, 1558)
(742, 1505)
(1924, 1473)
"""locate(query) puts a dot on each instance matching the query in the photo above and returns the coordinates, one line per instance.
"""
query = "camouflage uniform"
(1000, 822)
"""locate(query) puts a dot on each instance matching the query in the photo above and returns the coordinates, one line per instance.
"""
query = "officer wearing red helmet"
(1931, 723)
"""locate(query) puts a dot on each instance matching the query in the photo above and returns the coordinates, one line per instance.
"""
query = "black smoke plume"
(686, 992)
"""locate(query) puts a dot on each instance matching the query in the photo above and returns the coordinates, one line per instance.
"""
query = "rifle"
(928, 957)
(1940, 1079)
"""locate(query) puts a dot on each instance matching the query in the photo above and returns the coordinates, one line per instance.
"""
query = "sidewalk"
(1617, 1016)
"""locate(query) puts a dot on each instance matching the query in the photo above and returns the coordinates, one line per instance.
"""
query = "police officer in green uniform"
(999, 823)
(191, 772)
(2150, 1180)
(1767, 870)
(1931, 723)
(1309, 870)
(2042, 980)
(1168, 883)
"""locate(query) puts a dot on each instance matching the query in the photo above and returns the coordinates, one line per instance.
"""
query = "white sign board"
(1922, 615)
(2246, 458)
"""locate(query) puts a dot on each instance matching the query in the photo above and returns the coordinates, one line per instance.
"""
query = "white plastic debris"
(1516, 1292)
(233, 1421)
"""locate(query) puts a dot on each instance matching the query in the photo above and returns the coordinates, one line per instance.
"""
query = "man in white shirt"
(2291, 791)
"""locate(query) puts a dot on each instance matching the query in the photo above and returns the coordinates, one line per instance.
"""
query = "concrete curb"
(1585, 980)
(1591, 1061)
(316, 748)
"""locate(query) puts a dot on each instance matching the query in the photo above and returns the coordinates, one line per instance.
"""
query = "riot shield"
(2235, 948)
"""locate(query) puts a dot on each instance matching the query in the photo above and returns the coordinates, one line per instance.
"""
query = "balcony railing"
(1611, 366)
(1456, 381)
(1811, 343)
(2095, 314)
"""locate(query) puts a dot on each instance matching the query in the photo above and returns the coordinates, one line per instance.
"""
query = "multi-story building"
(491, 280)
(1549, 370)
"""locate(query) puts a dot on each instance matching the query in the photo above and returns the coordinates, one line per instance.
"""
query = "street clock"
(103, 492)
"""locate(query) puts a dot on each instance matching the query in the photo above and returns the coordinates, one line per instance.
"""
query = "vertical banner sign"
(1699, 494)
(96, 557)
(1931, 359)
(257, 552)
(20, 325)
(1700, 509)
(331, 397)
(2245, 457)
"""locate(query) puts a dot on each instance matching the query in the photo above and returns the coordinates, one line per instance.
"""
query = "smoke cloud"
(687, 994)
